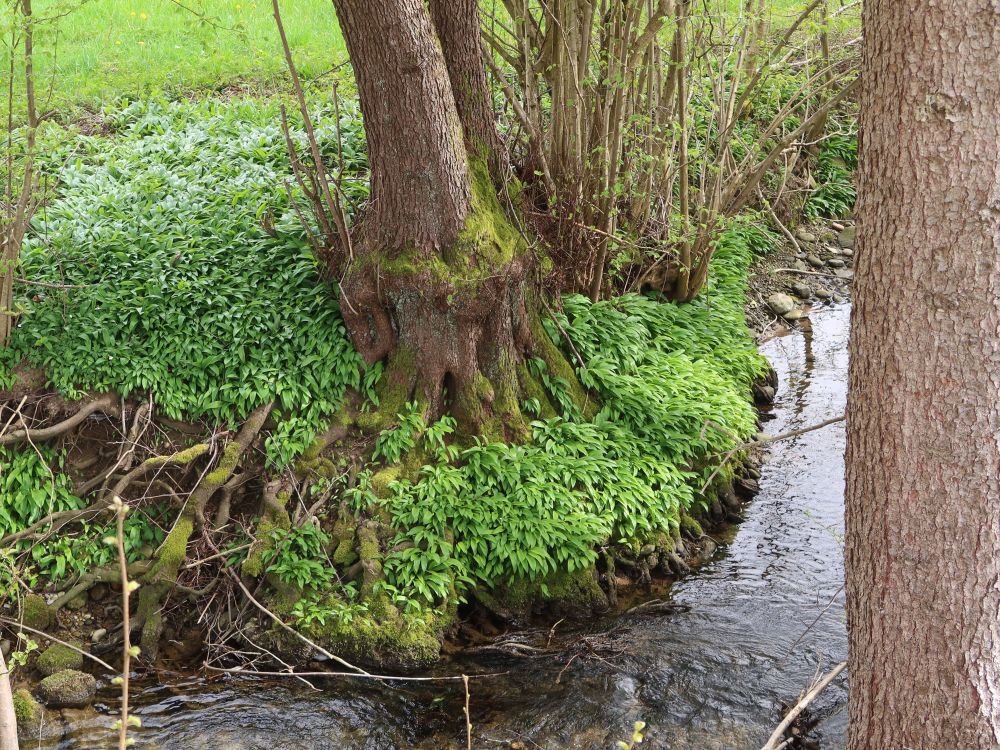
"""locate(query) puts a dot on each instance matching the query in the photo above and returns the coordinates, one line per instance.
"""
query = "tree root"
(87, 581)
(107, 404)
(161, 578)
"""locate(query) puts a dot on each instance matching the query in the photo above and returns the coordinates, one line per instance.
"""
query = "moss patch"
(575, 594)
(27, 710)
(58, 657)
(384, 636)
(35, 612)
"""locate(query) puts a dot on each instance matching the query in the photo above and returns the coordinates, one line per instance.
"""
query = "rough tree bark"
(456, 23)
(438, 284)
(923, 454)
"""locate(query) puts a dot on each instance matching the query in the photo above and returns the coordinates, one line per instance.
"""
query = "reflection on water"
(758, 623)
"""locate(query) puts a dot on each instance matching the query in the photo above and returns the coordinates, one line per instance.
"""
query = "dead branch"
(798, 708)
(14, 624)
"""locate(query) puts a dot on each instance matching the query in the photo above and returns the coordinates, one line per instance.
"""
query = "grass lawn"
(101, 50)
(94, 52)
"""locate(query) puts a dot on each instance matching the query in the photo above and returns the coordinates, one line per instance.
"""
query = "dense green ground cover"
(190, 279)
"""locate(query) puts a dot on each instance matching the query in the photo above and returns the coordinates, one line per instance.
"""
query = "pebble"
(802, 290)
(836, 263)
(793, 315)
(815, 261)
(847, 252)
(845, 273)
(823, 293)
(800, 266)
(781, 304)
(98, 635)
(804, 235)
(846, 236)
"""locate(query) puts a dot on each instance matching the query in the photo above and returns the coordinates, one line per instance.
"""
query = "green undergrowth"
(189, 274)
(673, 381)
(835, 193)
(33, 485)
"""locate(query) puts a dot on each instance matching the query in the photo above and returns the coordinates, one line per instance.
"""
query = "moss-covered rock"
(68, 689)
(576, 594)
(384, 636)
(27, 710)
(691, 528)
(58, 657)
(35, 612)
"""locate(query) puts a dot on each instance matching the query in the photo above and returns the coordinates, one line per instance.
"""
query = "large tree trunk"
(923, 453)
(438, 283)
(457, 25)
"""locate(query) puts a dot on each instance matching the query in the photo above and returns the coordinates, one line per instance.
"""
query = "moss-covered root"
(274, 515)
(167, 561)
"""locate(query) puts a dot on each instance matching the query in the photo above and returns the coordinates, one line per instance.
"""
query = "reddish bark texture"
(923, 453)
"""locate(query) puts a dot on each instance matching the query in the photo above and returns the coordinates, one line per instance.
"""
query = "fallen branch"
(361, 675)
(775, 740)
(87, 655)
(787, 435)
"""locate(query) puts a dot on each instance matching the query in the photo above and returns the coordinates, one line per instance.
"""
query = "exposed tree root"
(162, 576)
(107, 404)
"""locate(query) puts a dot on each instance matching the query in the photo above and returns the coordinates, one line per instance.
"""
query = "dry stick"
(8, 718)
(121, 509)
(775, 738)
(468, 720)
(43, 634)
(794, 433)
(765, 441)
(366, 676)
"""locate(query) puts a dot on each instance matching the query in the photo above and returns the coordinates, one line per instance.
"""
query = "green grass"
(102, 50)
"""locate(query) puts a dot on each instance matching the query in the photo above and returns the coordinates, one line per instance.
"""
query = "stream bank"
(708, 671)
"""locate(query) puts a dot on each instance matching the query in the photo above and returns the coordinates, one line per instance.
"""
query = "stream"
(748, 631)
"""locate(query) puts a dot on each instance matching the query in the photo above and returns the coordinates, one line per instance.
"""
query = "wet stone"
(802, 290)
(780, 304)
(823, 293)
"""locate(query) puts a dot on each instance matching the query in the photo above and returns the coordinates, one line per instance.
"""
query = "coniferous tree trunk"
(439, 282)
(923, 453)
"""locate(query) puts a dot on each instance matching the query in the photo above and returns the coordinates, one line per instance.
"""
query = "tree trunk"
(438, 283)
(923, 455)
(457, 25)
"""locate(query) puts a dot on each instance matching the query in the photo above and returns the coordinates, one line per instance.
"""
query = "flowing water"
(749, 630)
